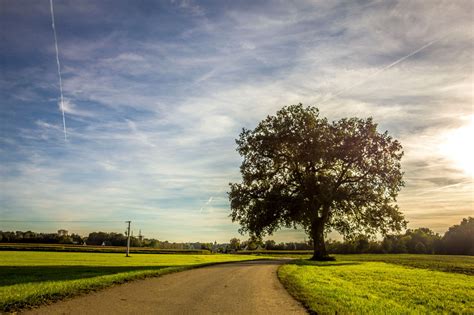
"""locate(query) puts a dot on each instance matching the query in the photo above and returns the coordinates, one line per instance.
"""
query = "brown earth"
(250, 287)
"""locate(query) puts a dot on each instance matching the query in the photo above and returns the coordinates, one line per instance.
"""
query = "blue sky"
(156, 92)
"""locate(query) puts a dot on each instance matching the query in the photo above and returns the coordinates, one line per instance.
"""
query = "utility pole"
(128, 239)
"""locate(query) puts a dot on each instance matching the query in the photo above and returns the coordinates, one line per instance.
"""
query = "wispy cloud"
(72, 109)
(208, 202)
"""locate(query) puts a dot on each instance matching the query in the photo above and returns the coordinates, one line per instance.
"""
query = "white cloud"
(71, 109)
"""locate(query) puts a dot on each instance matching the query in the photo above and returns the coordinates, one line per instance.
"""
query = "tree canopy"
(459, 239)
(300, 170)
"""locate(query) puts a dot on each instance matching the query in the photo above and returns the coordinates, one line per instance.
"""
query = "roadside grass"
(32, 278)
(375, 287)
(448, 263)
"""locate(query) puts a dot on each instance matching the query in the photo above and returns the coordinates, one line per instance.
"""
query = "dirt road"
(237, 288)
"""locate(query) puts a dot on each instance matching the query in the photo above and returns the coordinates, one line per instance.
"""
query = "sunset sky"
(155, 92)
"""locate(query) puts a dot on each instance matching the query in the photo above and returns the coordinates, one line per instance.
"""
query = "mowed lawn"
(31, 278)
(383, 284)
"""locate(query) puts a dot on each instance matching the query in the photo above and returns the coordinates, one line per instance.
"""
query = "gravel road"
(250, 287)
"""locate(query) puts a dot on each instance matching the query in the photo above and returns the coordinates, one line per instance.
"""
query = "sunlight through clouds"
(457, 145)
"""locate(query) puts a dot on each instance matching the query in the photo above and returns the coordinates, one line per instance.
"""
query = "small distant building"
(63, 233)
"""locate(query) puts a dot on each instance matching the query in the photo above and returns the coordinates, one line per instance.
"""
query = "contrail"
(59, 69)
(396, 62)
(443, 187)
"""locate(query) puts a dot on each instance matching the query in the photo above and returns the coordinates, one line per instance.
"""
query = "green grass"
(358, 284)
(448, 263)
(95, 249)
(33, 278)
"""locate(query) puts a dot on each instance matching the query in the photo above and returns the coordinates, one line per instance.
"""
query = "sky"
(155, 93)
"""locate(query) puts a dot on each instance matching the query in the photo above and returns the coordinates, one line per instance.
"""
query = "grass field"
(352, 284)
(449, 263)
(95, 249)
(388, 284)
(30, 278)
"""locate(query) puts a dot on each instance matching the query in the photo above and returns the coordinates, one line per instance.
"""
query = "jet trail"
(371, 76)
(59, 69)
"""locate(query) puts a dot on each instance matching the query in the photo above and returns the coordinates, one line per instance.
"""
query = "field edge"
(295, 293)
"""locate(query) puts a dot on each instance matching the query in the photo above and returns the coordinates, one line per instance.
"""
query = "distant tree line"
(254, 244)
(43, 238)
(94, 238)
(458, 240)
(102, 238)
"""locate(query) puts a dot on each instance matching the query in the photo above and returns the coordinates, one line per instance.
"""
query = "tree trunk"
(320, 252)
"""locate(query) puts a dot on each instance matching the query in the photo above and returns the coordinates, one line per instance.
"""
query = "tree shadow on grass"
(10, 275)
(302, 262)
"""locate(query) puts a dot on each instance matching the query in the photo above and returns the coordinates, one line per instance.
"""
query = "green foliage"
(459, 239)
(421, 241)
(234, 244)
(417, 241)
(270, 244)
(420, 248)
(109, 239)
(33, 237)
(31, 278)
(253, 243)
(299, 169)
(94, 238)
(365, 287)
(206, 246)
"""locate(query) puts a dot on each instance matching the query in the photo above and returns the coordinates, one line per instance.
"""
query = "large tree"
(299, 170)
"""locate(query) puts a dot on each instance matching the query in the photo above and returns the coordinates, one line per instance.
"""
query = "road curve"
(250, 287)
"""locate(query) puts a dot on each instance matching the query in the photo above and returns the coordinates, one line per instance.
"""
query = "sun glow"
(457, 145)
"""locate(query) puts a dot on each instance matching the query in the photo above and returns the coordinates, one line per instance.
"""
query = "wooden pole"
(128, 239)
